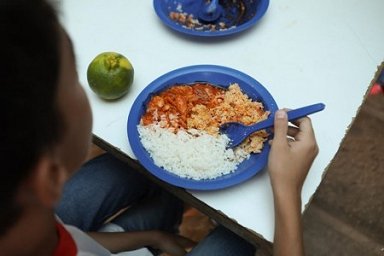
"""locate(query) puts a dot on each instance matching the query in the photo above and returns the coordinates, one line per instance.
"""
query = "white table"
(302, 51)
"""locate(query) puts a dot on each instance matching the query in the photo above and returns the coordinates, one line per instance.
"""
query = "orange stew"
(172, 107)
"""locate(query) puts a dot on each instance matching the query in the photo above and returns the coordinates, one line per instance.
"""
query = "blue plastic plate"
(239, 15)
(218, 75)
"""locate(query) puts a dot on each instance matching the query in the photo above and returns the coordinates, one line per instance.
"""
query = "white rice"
(193, 154)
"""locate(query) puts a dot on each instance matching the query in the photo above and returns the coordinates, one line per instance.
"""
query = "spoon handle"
(292, 115)
(304, 111)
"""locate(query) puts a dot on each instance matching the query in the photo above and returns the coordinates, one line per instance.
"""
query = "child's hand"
(290, 160)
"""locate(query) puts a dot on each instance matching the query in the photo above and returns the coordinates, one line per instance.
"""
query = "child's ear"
(47, 180)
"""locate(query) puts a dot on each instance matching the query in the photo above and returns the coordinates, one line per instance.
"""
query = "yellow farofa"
(233, 106)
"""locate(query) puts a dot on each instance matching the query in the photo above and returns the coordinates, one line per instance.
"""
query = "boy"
(45, 136)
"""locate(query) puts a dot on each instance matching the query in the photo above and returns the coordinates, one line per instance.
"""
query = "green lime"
(110, 75)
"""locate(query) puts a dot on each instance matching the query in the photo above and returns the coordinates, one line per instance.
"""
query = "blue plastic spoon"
(210, 11)
(237, 132)
(206, 11)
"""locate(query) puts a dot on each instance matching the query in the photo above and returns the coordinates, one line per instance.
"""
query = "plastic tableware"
(213, 74)
(183, 16)
(237, 132)
(210, 11)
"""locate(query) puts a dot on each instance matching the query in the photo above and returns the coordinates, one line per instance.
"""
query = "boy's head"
(46, 121)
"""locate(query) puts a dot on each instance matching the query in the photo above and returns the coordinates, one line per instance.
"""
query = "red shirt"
(66, 245)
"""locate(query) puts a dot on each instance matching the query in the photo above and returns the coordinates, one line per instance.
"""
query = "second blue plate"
(238, 15)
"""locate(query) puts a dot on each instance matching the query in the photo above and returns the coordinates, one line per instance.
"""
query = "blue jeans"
(105, 185)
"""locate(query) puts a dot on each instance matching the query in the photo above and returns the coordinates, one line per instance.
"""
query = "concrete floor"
(346, 216)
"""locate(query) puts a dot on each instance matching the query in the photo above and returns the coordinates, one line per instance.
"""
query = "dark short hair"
(29, 71)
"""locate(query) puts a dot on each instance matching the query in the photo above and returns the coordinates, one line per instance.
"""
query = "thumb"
(280, 127)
